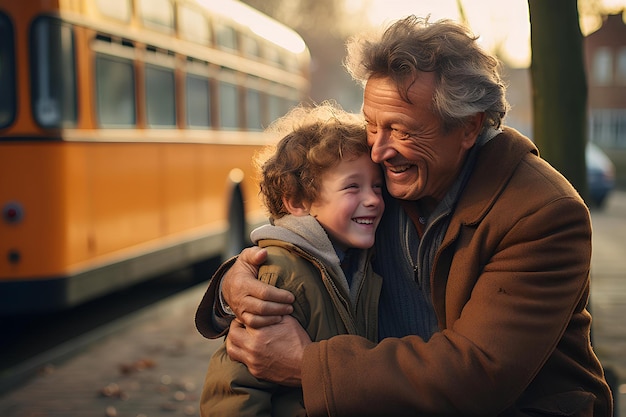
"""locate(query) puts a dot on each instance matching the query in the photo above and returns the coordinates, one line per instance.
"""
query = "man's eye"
(399, 134)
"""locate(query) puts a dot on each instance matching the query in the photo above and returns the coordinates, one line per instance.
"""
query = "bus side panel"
(31, 176)
(125, 195)
(78, 221)
(93, 200)
(178, 178)
(139, 197)
(215, 186)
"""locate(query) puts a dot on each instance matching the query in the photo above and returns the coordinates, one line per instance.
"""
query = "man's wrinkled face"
(419, 159)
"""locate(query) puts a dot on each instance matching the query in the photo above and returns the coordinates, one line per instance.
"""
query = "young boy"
(324, 197)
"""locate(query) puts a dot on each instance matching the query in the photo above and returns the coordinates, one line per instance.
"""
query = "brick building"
(605, 56)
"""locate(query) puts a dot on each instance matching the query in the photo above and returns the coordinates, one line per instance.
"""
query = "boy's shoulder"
(286, 255)
(287, 265)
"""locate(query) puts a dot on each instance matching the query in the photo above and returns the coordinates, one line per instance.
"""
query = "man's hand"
(273, 353)
(255, 303)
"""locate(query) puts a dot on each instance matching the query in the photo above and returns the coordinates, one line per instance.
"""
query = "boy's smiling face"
(350, 203)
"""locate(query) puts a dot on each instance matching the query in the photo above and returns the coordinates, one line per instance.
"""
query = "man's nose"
(379, 143)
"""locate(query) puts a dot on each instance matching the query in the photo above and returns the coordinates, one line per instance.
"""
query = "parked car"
(600, 175)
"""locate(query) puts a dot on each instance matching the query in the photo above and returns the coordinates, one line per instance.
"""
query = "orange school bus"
(127, 129)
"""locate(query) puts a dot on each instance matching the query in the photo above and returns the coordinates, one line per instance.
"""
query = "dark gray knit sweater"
(405, 262)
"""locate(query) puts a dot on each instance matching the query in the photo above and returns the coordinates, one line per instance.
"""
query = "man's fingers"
(251, 258)
(256, 322)
(259, 313)
(236, 346)
(234, 336)
(254, 302)
(273, 353)
(265, 292)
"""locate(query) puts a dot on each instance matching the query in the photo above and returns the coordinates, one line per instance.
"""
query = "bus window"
(160, 97)
(193, 25)
(253, 110)
(198, 104)
(271, 54)
(117, 9)
(251, 46)
(53, 73)
(7, 72)
(157, 14)
(226, 37)
(293, 100)
(290, 62)
(229, 115)
(115, 89)
(277, 107)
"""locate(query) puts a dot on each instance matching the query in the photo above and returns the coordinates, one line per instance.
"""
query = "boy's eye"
(351, 187)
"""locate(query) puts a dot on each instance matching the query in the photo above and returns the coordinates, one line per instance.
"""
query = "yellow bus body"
(88, 209)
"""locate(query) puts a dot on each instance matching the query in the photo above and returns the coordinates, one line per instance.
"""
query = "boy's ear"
(296, 207)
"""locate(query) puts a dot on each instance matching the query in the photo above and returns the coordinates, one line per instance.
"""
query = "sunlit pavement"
(608, 290)
(154, 367)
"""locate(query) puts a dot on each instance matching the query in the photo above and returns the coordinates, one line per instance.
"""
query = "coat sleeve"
(211, 321)
(519, 300)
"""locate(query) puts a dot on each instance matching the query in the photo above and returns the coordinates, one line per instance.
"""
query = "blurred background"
(503, 29)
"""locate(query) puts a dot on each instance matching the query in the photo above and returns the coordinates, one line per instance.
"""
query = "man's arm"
(255, 303)
(531, 290)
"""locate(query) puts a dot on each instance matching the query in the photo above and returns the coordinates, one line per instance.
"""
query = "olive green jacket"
(324, 306)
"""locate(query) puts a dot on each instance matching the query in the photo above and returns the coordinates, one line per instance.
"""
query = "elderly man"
(484, 251)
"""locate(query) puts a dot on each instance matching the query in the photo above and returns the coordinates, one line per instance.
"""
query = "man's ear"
(296, 207)
(472, 128)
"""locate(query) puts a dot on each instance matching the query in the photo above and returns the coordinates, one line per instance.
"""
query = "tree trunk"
(559, 87)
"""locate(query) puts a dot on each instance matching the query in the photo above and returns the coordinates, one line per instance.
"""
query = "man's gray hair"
(468, 79)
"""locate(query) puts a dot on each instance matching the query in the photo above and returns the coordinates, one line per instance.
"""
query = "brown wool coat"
(510, 288)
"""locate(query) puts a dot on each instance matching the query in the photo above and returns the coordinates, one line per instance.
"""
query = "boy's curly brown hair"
(314, 139)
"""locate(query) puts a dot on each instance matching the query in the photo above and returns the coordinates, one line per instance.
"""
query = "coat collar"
(496, 162)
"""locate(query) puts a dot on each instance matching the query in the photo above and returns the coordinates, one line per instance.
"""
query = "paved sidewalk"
(608, 292)
(153, 368)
